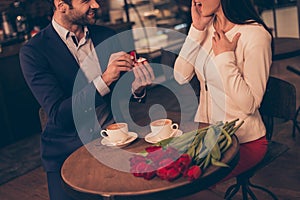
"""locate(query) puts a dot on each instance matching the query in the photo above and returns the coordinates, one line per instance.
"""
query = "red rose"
(185, 159)
(137, 159)
(143, 170)
(181, 168)
(166, 163)
(149, 172)
(138, 169)
(194, 172)
(172, 174)
(162, 173)
(171, 152)
(183, 163)
(138, 174)
(153, 148)
(168, 173)
(156, 156)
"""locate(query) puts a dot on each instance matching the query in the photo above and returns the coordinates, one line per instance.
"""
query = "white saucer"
(150, 138)
(131, 137)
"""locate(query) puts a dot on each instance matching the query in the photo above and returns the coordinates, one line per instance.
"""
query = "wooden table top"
(90, 173)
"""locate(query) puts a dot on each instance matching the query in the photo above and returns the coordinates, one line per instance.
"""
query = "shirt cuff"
(196, 35)
(101, 87)
(138, 98)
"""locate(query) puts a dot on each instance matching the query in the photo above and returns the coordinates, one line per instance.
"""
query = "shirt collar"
(86, 32)
(65, 33)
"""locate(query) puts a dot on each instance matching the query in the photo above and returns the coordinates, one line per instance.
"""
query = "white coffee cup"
(163, 128)
(115, 133)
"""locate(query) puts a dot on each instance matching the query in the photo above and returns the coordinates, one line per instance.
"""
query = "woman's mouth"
(198, 4)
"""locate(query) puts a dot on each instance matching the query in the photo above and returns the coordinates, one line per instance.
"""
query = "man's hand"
(199, 21)
(118, 62)
(144, 76)
(220, 42)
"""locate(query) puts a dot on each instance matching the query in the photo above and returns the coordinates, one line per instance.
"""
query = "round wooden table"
(85, 177)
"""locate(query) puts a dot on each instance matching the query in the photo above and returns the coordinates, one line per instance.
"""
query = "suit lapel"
(58, 47)
(62, 59)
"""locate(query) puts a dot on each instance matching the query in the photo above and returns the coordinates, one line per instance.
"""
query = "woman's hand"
(199, 21)
(118, 62)
(220, 42)
(144, 76)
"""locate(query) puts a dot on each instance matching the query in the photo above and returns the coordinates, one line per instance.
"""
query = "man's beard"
(85, 19)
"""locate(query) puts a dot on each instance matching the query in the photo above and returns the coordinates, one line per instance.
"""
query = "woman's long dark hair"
(243, 12)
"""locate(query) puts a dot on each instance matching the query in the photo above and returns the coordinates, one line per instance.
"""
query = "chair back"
(279, 101)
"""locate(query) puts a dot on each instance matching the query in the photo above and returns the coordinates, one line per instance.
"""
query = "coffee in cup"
(163, 128)
(115, 133)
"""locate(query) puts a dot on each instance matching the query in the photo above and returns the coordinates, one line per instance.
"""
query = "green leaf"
(218, 163)
(215, 152)
(211, 137)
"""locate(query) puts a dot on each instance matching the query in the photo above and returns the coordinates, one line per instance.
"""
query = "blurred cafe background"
(21, 19)
(19, 112)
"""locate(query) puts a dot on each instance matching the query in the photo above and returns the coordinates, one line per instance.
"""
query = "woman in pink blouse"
(228, 48)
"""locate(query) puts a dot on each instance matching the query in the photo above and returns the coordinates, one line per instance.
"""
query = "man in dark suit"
(69, 66)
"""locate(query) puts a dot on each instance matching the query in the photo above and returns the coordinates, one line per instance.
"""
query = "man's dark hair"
(69, 2)
(51, 3)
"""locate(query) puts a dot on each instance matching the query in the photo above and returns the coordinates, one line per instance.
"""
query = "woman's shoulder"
(254, 29)
(254, 32)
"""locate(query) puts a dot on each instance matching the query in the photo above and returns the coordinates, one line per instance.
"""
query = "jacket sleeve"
(48, 90)
(185, 62)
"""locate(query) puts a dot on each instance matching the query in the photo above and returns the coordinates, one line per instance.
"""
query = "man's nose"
(94, 4)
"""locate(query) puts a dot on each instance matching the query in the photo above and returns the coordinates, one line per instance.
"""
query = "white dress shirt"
(85, 55)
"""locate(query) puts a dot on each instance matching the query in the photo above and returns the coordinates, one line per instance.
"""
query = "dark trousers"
(55, 187)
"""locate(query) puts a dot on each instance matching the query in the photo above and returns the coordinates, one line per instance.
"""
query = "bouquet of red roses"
(187, 155)
(165, 163)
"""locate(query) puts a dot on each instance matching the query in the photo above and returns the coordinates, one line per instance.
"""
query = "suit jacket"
(63, 91)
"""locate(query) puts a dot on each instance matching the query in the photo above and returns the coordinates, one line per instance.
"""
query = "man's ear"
(61, 6)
